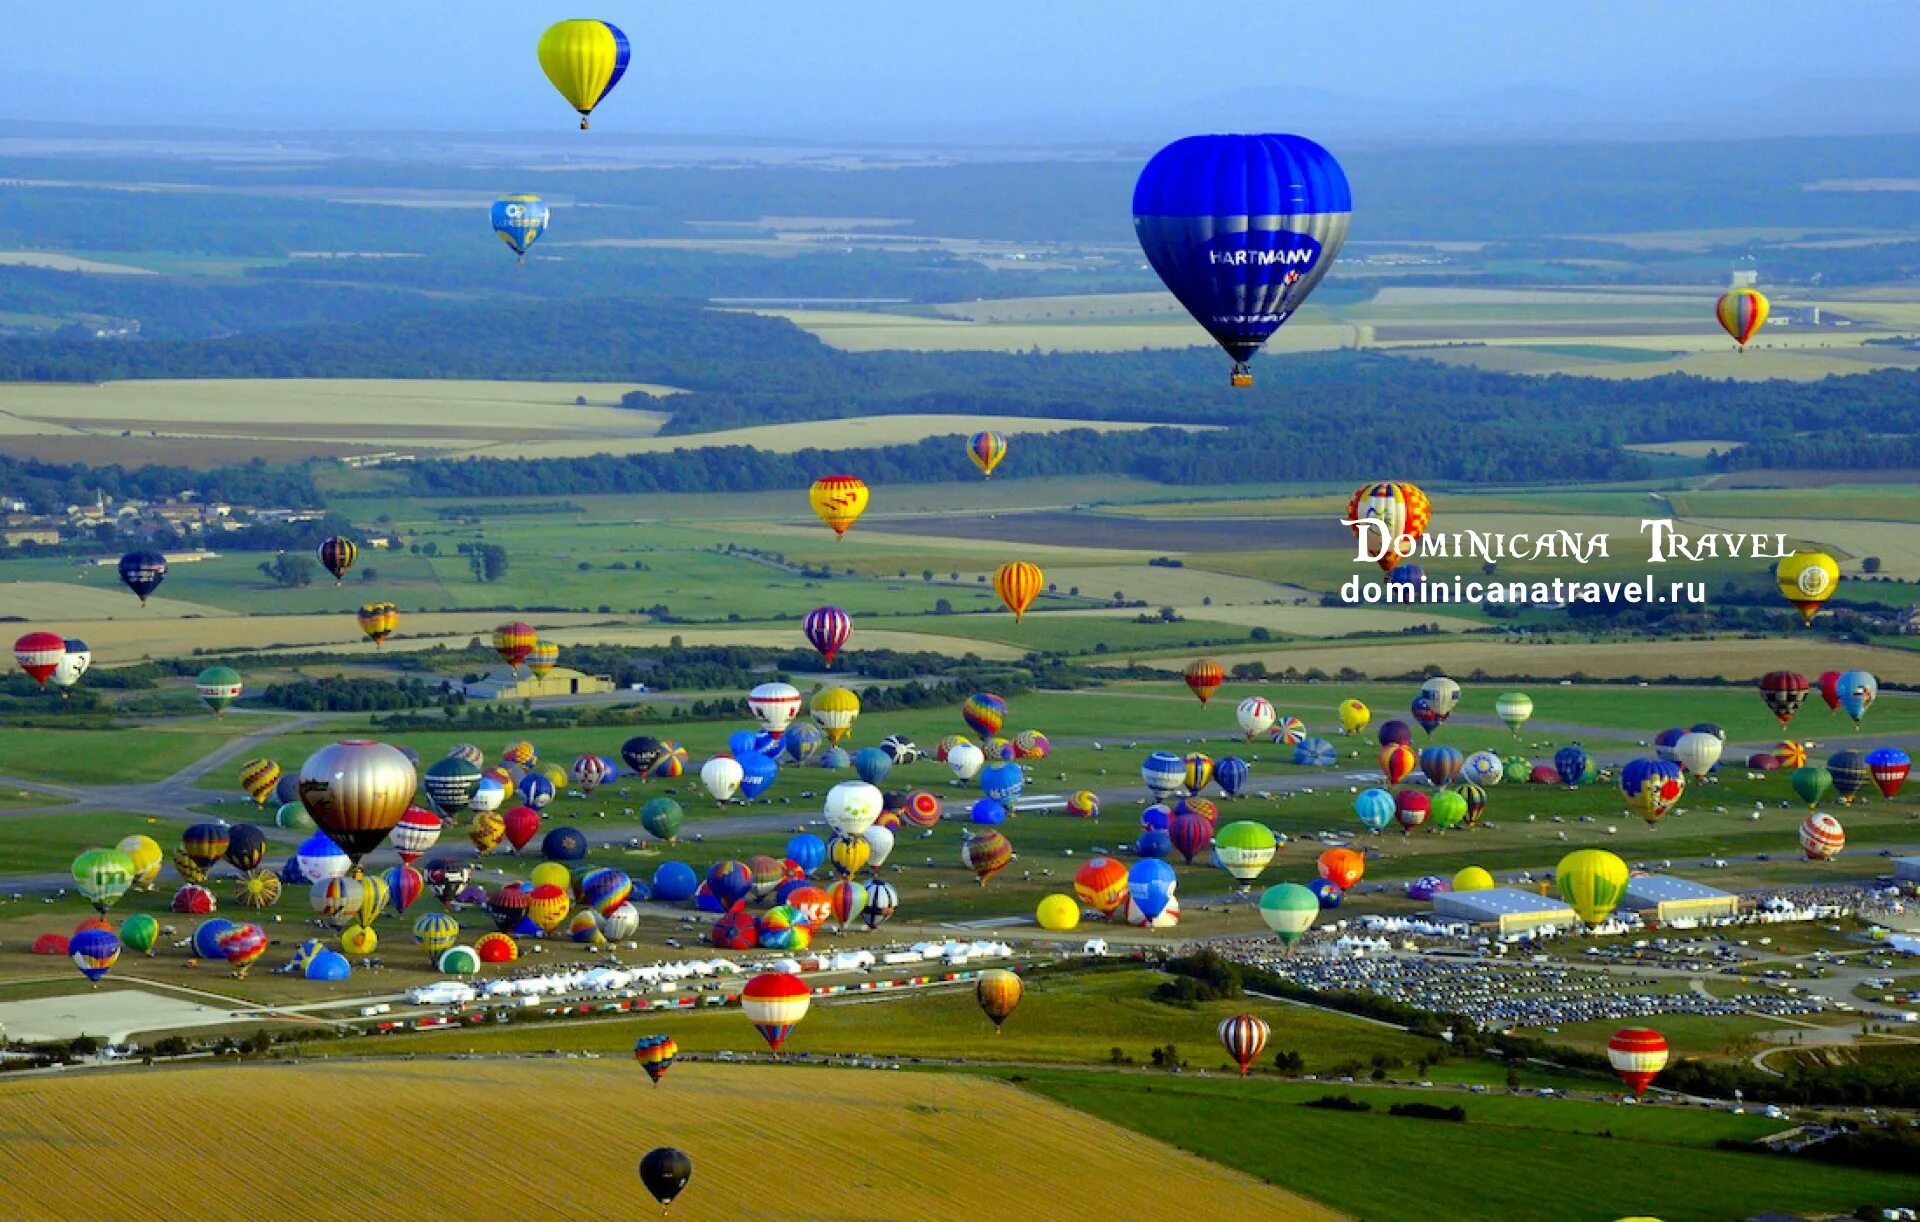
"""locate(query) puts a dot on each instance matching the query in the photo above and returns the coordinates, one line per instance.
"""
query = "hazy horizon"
(991, 71)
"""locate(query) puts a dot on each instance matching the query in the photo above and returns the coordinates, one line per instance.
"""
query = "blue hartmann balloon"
(1002, 782)
(519, 220)
(535, 790)
(743, 742)
(1230, 773)
(1164, 773)
(801, 741)
(1326, 892)
(1241, 229)
(757, 772)
(872, 765)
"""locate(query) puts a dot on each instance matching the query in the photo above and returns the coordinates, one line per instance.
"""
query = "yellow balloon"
(1473, 878)
(1354, 716)
(849, 854)
(1058, 913)
(1808, 579)
(833, 710)
(584, 60)
(1592, 881)
(146, 858)
(552, 872)
(839, 500)
(358, 940)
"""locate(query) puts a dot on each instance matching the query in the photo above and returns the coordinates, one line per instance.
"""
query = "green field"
(124, 756)
(1513, 1159)
(34, 844)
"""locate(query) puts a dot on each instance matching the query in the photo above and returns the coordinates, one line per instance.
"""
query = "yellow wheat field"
(561, 1139)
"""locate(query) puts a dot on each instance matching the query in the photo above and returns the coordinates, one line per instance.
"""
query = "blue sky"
(981, 69)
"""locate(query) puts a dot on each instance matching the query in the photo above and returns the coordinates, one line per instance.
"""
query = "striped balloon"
(1822, 837)
(827, 629)
(1741, 313)
(337, 555)
(986, 450)
(1637, 1054)
(1244, 1036)
(1018, 584)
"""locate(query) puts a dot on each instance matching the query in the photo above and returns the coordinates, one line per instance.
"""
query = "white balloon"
(722, 776)
(880, 840)
(1698, 751)
(775, 705)
(1256, 716)
(966, 760)
(618, 925)
(852, 806)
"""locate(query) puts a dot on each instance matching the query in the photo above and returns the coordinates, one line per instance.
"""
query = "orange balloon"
(1342, 867)
(1203, 676)
(1397, 762)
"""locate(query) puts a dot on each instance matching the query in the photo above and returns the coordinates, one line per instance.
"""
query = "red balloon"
(1411, 808)
(523, 824)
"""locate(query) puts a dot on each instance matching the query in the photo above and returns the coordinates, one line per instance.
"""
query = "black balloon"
(665, 1172)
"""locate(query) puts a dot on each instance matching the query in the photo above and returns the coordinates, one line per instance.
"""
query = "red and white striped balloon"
(1244, 1037)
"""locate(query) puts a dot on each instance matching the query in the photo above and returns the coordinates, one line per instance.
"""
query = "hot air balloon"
(102, 876)
(1889, 766)
(839, 500)
(541, 660)
(1570, 764)
(965, 761)
(1164, 774)
(1652, 788)
(378, 620)
(1057, 913)
(774, 1002)
(1741, 313)
(1829, 684)
(94, 952)
(1698, 752)
(1637, 1055)
(664, 1172)
(1375, 808)
(1442, 696)
(584, 60)
(1857, 689)
(519, 220)
(1244, 849)
(985, 712)
(337, 554)
(1018, 584)
(259, 778)
(1342, 867)
(1513, 708)
(1411, 808)
(986, 450)
(775, 705)
(1810, 781)
(655, 1053)
(986, 854)
(1289, 910)
(1850, 774)
(1822, 837)
(1441, 765)
(1592, 881)
(998, 991)
(1423, 712)
(1241, 228)
(851, 807)
(1354, 716)
(1244, 1037)
(39, 654)
(140, 931)
(1397, 762)
(1255, 715)
(1190, 834)
(1231, 773)
(436, 933)
(74, 663)
(1101, 884)
(1402, 512)
(356, 792)
(142, 572)
(513, 642)
(834, 709)
(1204, 676)
(1806, 580)
(1784, 691)
(1199, 771)
(1289, 730)
(218, 687)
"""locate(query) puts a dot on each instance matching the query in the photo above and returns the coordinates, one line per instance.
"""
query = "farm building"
(1509, 908)
(1906, 869)
(506, 685)
(1662, 897)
